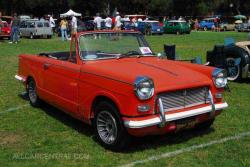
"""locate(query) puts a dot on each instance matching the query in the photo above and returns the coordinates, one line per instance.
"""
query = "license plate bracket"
(185, 123)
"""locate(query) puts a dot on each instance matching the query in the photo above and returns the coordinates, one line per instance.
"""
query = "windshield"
(108, 45)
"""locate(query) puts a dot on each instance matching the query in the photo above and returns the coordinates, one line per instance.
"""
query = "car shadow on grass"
(137, 144)
(63, 117)
(153, 142)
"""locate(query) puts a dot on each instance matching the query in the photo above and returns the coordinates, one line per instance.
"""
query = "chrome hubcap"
(32, 92)
(106, 127)
(232, 69)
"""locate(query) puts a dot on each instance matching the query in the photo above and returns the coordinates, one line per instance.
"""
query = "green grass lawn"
(48, 137)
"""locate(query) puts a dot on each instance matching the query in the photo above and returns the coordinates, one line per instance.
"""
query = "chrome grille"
(182, 99)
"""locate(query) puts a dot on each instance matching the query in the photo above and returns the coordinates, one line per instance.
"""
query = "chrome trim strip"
(162, 113)
(211, 101)
(19, 78)
(173, 117)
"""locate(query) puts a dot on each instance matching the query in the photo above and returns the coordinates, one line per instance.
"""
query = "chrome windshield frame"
(145, 43)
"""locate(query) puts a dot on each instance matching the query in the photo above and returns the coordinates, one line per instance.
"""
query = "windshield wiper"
(128, 54)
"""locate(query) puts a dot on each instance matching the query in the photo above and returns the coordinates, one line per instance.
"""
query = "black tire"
(204, 125)
(32, 93)
(234, 71)
(109, 127)
(49, 36)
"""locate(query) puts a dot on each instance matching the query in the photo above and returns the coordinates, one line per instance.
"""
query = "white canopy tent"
(70, 13)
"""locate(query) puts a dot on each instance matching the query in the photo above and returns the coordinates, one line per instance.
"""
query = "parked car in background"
(153, 27)
(206, 24)
(24, 17)
(128, 25)
(227, 26)
(5, 30)
(33, 28)
(135, 16)
(177, 27)
(116, 84)
(234, 58)
(90, 25)
(243, 27)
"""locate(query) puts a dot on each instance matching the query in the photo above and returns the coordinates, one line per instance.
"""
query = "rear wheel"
(109, 127)
(32, 93)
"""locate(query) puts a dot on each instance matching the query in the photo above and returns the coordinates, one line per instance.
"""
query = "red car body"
(5, 30)
(77, 87)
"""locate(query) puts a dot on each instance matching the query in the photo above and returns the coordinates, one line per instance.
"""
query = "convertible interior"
(57, 55)
(64, 56)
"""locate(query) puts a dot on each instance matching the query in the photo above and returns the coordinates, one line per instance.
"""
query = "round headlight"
(219, 78)
(144, 88)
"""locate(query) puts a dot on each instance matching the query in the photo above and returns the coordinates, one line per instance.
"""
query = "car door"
(61, 83)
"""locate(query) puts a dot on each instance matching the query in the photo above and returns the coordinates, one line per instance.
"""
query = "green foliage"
(152, 7)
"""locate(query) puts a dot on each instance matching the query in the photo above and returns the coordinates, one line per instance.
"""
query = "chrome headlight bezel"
(144, 87)
(219, 78)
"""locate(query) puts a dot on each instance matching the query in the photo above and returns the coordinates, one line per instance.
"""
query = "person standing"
(108, 23)
(52, 23)
(15, 29)
(196, 24)
(118, 21)
(63, 26)
(73, 25)
(98, 22)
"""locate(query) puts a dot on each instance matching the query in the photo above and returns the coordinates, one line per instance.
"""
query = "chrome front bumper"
(176, 116)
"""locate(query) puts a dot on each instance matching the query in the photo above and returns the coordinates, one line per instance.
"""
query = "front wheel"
(32, 93)
(109, 127)
(233, 69)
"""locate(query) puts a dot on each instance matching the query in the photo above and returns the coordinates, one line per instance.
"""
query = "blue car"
(150, 27)
(207, 24)
(128, 25)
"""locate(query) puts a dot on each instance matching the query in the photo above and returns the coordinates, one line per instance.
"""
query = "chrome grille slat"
(182, 99)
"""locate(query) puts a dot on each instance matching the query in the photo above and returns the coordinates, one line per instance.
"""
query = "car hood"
(166, 74)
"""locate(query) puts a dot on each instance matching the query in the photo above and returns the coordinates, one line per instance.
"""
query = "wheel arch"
(104, 97)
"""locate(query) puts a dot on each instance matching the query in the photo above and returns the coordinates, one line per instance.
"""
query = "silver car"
(34, 28)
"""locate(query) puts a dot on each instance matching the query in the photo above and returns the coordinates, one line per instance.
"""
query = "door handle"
(46, 66)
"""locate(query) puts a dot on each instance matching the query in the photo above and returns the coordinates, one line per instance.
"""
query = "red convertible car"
(113, 81)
